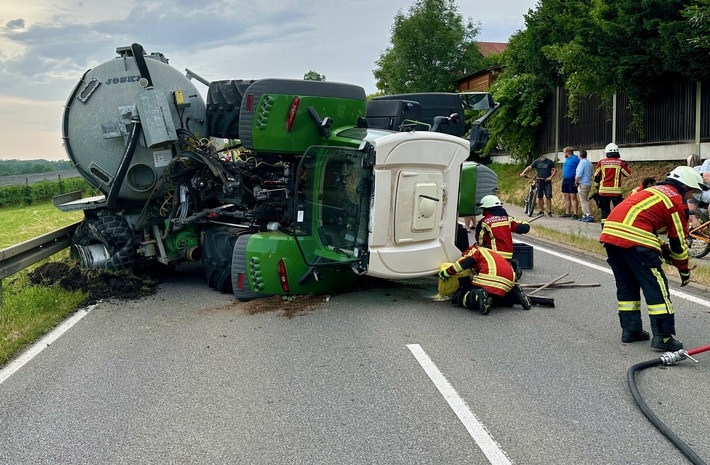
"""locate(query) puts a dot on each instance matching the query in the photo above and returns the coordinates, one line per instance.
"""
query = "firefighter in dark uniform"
(489, 280)
(636, 252)
(607, 178)
(495, 228)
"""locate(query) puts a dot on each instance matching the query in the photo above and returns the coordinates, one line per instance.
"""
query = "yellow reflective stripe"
(632, 234)
(666, 306)
(629, 305)
(493, 281)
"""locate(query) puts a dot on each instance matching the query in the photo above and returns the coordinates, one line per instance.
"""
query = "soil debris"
(96, 284)
(290, 306)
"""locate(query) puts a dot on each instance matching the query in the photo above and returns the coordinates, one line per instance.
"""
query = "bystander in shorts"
(568, 186)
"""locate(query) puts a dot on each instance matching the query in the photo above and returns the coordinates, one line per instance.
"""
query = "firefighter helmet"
(687, 176)
(611, 150)
(490, 201)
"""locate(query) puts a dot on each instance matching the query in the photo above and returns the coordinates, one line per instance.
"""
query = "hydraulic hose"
(112, 196)
(668, 358)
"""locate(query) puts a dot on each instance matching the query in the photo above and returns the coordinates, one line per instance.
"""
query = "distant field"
(20, 223)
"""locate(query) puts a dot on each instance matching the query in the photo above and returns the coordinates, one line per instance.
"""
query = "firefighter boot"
(478, 298)
(519, 297)
(663, 328)
(631, 327)
(517, 270)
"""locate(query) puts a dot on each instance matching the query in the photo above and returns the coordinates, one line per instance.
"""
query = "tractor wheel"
(224, 100)
(217, 258)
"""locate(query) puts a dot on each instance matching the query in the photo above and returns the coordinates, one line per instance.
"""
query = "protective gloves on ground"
(684, 277)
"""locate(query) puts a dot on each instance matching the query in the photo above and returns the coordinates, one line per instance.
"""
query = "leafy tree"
(313, 76)
(431, 47)
(596, 48)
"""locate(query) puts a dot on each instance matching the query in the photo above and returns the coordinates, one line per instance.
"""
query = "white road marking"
(43, 343)
(478, 432)
(607, 270)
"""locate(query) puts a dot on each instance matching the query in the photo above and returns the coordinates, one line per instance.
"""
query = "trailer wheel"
(111, 231)
(217, 258)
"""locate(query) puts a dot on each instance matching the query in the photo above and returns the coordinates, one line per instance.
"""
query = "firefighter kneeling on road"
(484, 278)
(494, 230)
(635, 254)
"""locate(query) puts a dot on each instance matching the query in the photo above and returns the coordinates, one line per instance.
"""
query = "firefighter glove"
(684, 277)
(444, 275)
(666, 253)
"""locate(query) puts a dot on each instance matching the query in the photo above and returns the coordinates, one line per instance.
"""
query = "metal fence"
(677, 113)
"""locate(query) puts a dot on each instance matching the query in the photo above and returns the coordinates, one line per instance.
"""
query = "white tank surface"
(126, 120)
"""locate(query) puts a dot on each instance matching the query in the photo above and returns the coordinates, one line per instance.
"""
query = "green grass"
(29, 311)
(20, 223)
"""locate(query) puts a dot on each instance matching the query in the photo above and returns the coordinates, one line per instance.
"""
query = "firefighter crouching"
(480, 279)
(495, 228)
(635, 254)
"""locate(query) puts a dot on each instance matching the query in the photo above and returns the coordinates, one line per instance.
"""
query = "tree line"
(42, 191)
(20, 167)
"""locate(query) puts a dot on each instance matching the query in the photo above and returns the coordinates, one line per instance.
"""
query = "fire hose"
(668, 358)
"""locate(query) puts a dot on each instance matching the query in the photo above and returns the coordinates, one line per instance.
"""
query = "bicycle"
(699, 236)
(530, 197)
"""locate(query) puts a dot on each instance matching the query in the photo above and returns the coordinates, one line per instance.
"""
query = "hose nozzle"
(671, 358)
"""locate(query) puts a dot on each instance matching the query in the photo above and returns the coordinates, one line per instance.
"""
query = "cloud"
(15, 24)
(46, 47)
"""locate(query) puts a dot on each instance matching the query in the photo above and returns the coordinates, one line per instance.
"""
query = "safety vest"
(637, 221)
(495, 233)
(608, 174)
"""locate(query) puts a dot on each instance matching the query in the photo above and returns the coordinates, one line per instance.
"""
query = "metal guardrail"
(24, 254)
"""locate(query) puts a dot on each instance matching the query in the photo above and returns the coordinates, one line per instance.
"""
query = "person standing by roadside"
(607, 177)
(569, 186)
(545, 171)
(635, 254)
(583, 181)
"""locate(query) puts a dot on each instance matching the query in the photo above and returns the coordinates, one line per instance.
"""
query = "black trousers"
(639, 269)
(605, 204)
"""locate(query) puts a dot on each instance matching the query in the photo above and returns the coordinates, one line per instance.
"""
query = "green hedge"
(42, 191)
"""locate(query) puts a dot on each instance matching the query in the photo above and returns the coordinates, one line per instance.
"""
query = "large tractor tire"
(224, 102)
(217, 258)
(114, 233)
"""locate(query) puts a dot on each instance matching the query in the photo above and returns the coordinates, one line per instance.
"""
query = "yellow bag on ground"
(447, 287)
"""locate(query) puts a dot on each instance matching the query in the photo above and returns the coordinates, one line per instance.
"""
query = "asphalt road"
(187, 376)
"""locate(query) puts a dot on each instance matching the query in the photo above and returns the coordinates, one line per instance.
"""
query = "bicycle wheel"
(530, 203)
(699, 241)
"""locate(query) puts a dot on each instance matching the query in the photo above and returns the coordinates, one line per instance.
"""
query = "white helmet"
(490, 201)
(687, 176)
(611, 148)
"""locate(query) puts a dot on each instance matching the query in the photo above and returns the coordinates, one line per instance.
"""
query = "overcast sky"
(46, 46)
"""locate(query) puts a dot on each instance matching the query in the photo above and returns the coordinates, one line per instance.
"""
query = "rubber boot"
(632, 327)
